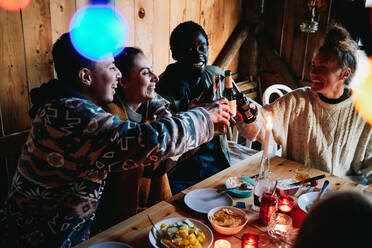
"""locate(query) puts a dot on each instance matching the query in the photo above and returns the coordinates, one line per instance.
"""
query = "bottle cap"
(227, 73)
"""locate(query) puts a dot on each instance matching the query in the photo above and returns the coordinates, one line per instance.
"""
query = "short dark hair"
(182, 32)
(125, 60)
(338, 43)
(67, 61)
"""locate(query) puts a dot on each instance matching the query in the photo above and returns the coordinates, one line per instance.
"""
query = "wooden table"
(135, 230)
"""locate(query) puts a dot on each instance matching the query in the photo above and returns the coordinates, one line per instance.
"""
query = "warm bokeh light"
(14, 5)
(363, 98)
(98, 31)
(362, 88)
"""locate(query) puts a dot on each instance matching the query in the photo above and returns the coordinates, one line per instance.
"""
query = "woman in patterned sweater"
(74, 144)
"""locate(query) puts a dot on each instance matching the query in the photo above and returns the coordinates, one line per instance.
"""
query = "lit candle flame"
(268, 128)
(285, 208)
(281, 228)
(222, 243)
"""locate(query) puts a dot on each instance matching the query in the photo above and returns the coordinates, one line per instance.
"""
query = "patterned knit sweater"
(72, 146)
(329, 137)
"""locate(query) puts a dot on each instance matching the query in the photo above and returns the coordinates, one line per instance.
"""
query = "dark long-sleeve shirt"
(209, 158)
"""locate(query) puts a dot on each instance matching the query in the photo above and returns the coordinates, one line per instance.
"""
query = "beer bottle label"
(232, 105)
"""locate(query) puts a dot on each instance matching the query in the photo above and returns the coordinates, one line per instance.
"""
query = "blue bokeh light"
(98, 31)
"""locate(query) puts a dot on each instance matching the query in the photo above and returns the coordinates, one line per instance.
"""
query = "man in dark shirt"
(182, 82)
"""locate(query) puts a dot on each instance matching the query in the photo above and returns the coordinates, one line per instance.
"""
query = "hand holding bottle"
(246, 108)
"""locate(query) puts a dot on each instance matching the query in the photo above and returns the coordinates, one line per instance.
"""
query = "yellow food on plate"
(182, 234)
(227, 218)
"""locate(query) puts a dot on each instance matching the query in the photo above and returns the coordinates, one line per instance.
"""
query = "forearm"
(186, 130)
(144, 144)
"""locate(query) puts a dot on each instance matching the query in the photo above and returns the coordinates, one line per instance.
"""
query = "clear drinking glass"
(262, 183)
(280, 226)
(302, 174)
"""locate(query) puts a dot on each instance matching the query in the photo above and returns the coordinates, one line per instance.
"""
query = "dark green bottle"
(229, 92)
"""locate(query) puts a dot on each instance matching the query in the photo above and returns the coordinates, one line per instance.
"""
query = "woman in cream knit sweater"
(319, 126)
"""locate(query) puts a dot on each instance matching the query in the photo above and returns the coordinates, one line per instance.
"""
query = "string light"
(98, 31)
(14, 5)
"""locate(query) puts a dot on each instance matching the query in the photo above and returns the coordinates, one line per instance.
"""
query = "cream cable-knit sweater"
(330, 137)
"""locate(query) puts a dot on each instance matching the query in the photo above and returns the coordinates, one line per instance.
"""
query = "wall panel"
(14, 102)
(143, 26)
(26, 39)
(160, 36)
(62, 12)
(38, 42)
(126, 7)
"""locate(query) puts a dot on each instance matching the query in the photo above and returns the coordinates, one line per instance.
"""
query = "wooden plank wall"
(26, 39)
(282, 19)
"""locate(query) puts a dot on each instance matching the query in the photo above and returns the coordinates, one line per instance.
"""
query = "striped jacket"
(72, 146)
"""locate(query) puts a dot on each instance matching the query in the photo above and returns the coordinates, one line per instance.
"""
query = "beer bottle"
(249, 114)
(229, 92)
(219, 128)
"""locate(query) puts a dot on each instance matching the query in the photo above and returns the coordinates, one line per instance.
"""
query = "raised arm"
(138, 144)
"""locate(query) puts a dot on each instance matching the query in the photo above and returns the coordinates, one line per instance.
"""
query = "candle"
(221, 243)
(268, 128)
(285, 204)
(250, 240)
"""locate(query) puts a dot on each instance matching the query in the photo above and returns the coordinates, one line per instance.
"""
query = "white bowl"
(206, 230)
(307, 199)
(284, 189)
(227, 230)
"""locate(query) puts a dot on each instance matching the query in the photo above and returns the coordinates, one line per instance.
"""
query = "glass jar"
(268, 207)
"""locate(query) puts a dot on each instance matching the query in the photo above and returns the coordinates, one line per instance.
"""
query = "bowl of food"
(307, 200)
(236, 181)
(181, 232)
(227, 220)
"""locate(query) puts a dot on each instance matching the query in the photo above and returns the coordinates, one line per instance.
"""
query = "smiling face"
(104, 77)
(193, 54)
(139, 85)
(327, 77)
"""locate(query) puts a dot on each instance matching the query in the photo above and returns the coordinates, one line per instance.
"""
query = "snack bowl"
(235, 181)
(236, 214)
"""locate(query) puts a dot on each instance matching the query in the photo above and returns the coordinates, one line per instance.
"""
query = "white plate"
(110, 245)
(206, 230)
(203, 200)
